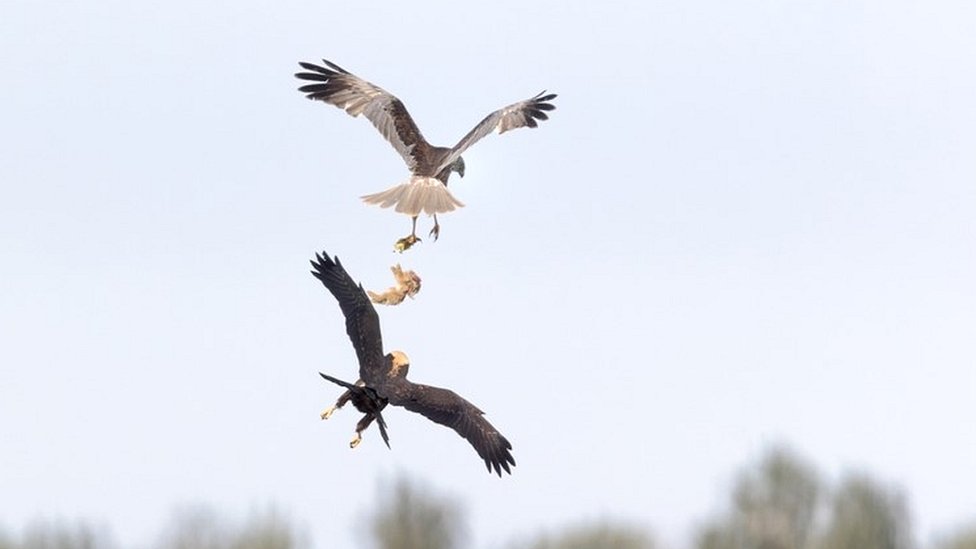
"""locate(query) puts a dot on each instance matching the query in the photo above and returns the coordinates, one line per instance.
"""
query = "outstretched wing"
(336, 86)
(517, 115)
(362, 322)
(447, 408)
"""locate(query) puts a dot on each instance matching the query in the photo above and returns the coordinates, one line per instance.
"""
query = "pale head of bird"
(399, 364)
(458, 166)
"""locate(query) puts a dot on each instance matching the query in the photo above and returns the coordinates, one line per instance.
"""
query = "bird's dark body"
(383, 377)
(366, 401)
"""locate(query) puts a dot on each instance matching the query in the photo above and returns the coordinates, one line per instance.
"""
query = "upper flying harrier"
(430, 166)
(383, 378)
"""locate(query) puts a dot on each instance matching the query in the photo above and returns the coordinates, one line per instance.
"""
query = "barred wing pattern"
(362, 322)
(517, 115)
(340, 88)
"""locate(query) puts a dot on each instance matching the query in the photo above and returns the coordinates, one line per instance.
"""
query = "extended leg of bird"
(340, 402)
(436, 231)
(406, 242)
(360, 427)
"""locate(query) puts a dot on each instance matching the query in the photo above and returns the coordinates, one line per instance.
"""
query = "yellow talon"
(328, 412)
(405, 243)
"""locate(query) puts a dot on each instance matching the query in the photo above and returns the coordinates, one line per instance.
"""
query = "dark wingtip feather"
(313, 76)
(496, 464)
(313, 67)
(321, 263)
(335, 67)
(307, 88)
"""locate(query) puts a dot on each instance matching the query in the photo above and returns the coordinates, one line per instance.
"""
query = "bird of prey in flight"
(430, 166)
(383, 377)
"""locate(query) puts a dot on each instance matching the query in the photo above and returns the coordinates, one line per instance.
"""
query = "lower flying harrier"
(430, 166)
(383, 378)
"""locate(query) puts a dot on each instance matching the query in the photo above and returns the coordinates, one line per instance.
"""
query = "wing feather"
(362, 322)
(517, 115)
(336, 86)
(448, 408)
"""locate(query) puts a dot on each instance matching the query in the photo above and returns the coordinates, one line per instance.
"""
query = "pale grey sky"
(746, 222)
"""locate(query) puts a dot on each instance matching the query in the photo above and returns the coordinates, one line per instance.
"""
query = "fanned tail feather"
(382, 424)
(420, 194)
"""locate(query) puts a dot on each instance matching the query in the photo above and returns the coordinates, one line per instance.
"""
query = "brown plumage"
(383, 377)
(407, 285)
(430, 166)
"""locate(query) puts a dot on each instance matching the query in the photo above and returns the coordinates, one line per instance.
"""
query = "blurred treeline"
(779, 502)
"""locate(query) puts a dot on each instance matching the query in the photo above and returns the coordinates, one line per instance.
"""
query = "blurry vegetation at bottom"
(778, 502)
(965, 538)
(773, 507)
(413, 518)
(595, 536)
(201, 528)
(866, 514)
(193, 528)
(47, 534)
